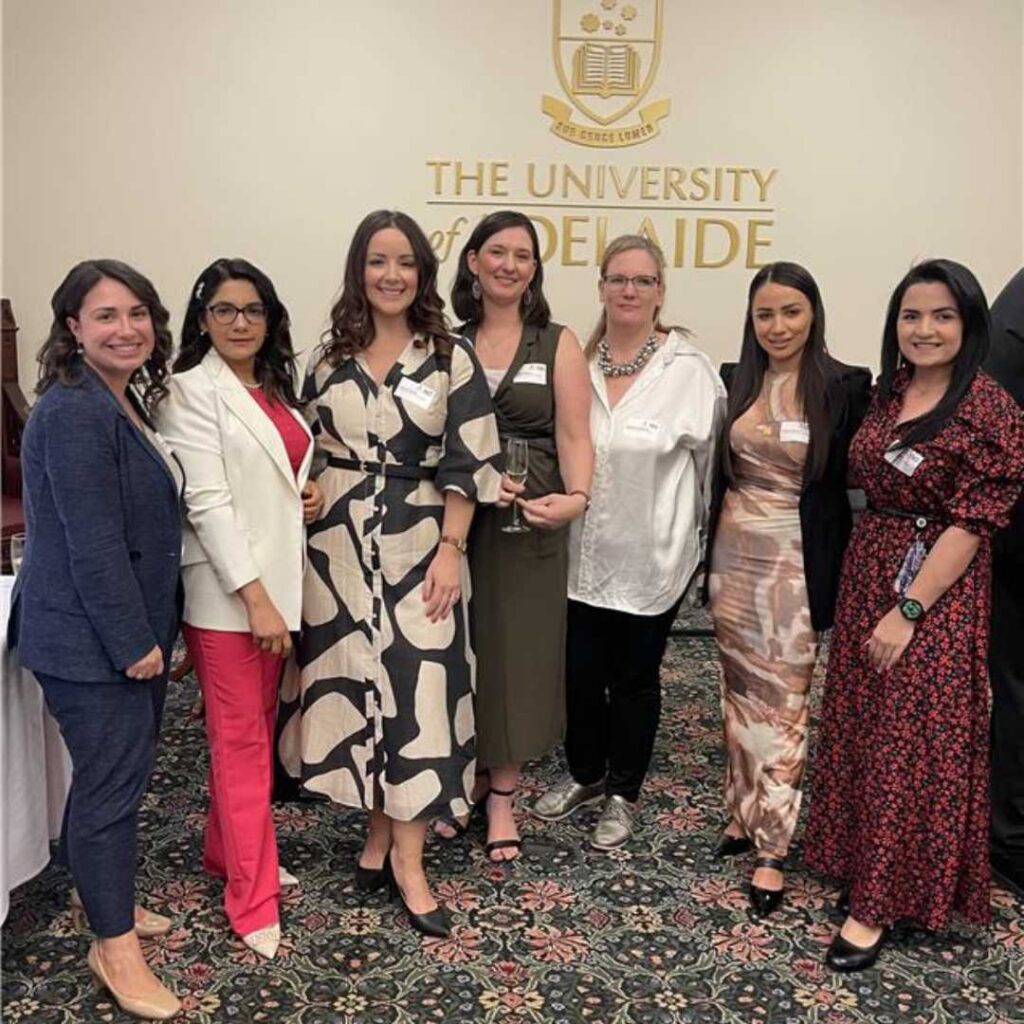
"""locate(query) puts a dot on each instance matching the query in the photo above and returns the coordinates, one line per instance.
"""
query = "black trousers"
(613, 694)
(1006, 669)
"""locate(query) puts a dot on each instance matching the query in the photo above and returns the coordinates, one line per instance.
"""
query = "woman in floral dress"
(406, 435)
(899, 799)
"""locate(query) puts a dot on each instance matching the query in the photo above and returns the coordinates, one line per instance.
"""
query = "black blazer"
(825, 517)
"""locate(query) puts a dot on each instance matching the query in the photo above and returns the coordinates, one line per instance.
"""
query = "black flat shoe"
(732, 846)
(434, 923)
(844, 956)
(764, 901)
(370, 880)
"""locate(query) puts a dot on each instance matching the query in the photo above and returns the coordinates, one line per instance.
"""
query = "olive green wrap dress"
(518, 607)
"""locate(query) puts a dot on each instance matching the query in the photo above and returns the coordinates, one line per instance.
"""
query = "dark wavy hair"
(816, 367)
(275, 361)
(470, 310)
(352, 327)
(977, 329)
(61, 362)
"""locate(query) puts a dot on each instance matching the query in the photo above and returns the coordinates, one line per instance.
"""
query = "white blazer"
(242, 498)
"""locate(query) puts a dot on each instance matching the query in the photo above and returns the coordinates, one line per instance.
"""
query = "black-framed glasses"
(641, 282)
(226, 313)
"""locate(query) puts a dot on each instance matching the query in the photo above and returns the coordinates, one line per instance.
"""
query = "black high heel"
(843, 903)
(434, 923)
(764, 901)
(844, 956)
(732, 846)
(370, 880)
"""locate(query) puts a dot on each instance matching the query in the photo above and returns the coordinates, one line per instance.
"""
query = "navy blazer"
(825, 516)
(98, 585)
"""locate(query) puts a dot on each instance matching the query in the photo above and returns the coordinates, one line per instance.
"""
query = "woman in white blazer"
(232, 418)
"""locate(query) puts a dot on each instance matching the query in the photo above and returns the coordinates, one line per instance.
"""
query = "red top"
(296, 440)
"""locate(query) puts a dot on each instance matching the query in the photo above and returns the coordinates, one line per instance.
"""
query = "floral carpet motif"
(654, 933)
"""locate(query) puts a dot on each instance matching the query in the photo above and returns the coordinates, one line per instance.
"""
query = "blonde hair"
(630, 243)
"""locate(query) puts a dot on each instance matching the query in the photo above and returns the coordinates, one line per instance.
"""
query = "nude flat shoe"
(285, 877)
(160, 1005)
(147, 924)
(264, 940)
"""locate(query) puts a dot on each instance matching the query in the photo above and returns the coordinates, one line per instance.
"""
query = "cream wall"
(170, 133)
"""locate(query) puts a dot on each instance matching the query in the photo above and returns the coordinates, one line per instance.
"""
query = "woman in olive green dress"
(541, 390)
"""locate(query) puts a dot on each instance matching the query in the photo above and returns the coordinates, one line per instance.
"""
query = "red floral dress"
(899, 794)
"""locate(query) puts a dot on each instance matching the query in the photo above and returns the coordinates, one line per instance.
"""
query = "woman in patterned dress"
(899, 807)
(538, 379)
(405, 431)
(780, 520)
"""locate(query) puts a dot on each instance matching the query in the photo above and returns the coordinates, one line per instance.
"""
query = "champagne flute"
(517, 462)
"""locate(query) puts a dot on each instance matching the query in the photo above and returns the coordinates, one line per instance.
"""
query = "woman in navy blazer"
(95, 606)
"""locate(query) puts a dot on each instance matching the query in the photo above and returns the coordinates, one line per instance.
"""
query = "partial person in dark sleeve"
(1006, 652)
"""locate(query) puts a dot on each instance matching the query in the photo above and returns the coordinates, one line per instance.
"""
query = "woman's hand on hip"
(890, 639)
(312, 502)
(553, 510)
(441, 585)
(149, 666)
(508, 491)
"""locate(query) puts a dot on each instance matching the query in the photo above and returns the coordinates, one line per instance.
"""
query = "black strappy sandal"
(460, 828)
(503, 844)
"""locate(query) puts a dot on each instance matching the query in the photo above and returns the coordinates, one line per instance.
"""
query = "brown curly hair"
(61, 362)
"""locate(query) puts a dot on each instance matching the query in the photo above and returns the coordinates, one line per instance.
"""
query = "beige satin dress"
(762, 617)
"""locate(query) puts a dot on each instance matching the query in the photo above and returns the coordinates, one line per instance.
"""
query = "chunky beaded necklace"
(611, 369)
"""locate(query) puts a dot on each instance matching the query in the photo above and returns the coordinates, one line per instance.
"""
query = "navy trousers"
(111, 731)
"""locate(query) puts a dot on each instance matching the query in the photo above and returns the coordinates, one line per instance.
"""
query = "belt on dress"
(405, 472)
(921, 519)
(544, 443)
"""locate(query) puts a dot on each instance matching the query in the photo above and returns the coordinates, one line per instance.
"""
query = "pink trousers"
(240, 687)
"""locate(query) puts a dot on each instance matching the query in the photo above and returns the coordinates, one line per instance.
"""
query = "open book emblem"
(606, 56)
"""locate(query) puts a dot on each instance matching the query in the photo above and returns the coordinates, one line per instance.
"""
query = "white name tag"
(412, 391)
(906, 460)
(796, 431)
(641, 427)
(532, 373)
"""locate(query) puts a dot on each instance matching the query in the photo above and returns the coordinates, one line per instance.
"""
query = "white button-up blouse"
(639, 544)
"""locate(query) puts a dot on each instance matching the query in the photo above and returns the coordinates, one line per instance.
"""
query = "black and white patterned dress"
(381, 715)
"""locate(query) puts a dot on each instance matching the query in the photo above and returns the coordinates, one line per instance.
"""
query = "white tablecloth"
(36, 769)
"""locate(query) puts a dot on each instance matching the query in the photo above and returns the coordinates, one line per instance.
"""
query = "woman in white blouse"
(657, 402)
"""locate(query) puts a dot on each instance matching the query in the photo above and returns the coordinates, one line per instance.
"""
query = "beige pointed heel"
(264, 940)
(162, 1004)
(147, 924)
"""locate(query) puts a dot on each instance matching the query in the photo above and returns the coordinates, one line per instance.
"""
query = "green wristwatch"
(911, 610)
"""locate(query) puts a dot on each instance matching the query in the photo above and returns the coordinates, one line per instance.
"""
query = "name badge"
(418, 394)
(906, 460)
(639, 427)
(796, 431)
(532, 373)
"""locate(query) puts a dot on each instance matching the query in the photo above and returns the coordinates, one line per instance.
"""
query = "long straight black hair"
(812, 379)
(977, 329)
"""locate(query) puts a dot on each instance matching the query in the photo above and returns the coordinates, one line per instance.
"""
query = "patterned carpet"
(652, 934)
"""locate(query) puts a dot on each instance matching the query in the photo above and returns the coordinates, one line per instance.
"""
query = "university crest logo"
(606, 55)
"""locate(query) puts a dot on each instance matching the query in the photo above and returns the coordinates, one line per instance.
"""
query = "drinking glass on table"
(517, 462)
(17, 551)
